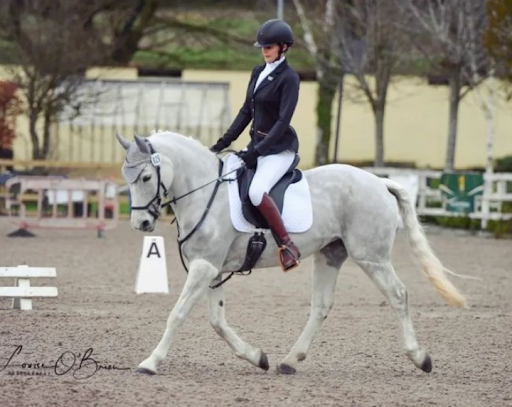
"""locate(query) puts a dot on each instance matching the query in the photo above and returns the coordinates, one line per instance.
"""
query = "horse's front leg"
(217, 305)
(200, 275)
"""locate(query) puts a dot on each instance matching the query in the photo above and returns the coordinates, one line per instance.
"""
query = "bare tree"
(369, 46)
(171, 30)
(53, 42)
(51, 49)
(127, 23)
(498, 37)
(318, 23)
(449, 35)
(10, 108)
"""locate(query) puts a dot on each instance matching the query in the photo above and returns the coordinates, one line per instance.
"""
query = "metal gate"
(196, 109)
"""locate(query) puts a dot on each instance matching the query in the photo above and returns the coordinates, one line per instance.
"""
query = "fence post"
(488, 185)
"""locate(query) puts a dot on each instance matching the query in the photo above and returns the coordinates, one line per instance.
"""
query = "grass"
(500, 229)
(202, 51)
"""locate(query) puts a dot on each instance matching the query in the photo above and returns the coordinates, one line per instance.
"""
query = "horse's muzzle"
(147, 226)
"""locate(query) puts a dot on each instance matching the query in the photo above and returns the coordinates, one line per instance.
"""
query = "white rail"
(22, 292)
(431, 202)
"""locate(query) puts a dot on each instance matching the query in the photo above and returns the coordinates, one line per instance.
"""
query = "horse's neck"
(193, 167)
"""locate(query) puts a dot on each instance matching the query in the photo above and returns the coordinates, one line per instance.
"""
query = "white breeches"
(269, 171)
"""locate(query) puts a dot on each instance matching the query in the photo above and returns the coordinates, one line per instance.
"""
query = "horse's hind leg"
(384, 276)
(217, 304)
(327, 264)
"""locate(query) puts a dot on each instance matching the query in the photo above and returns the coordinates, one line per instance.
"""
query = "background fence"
(486, 202)
(197, 109)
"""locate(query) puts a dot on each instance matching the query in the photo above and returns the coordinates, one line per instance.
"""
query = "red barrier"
(62, 203)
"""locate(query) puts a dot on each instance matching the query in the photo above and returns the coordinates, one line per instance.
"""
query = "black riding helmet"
(274, 32)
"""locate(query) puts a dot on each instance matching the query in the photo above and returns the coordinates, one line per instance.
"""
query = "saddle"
(245, 176)
(257, 243)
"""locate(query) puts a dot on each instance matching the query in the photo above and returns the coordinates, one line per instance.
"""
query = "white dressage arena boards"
(22, 292)
(152, 275)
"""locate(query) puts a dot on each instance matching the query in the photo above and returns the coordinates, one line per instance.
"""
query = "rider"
(270, 101)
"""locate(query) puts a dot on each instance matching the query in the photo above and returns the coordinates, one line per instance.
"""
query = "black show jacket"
(270, 108)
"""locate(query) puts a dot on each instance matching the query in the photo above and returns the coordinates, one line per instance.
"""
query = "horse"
(355, 214)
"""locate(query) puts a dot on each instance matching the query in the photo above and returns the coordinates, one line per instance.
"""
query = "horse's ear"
(125, 143)
(143, 146)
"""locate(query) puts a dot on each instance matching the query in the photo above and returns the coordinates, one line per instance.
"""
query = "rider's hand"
(250, 157)
(220, 145)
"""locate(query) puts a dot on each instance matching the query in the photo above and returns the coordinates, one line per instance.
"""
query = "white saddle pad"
(297, 210)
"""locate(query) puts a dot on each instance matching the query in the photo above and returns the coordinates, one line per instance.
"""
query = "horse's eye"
(146, 178)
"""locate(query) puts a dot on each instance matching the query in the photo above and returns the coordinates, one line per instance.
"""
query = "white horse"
(356, 215)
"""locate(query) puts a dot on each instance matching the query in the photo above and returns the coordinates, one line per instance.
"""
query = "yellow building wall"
(22, 144)
(416, 122)
(112, 73)
(303, 120)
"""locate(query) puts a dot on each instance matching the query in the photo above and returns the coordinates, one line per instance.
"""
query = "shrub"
(504, 164)
(10, 108)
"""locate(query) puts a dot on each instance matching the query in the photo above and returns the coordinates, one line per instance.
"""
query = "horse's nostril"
(145, 225)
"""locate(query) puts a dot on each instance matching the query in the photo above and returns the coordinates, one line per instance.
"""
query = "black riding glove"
(220, 145)
(250, 157)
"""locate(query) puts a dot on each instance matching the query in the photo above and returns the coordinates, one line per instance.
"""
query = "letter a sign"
(152, 275)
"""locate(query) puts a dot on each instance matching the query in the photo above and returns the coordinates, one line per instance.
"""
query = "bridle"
(156, 203)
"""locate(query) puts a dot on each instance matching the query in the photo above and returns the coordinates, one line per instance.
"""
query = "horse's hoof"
(145, 371)
(285, 369)
(263, 361)
(426, 366)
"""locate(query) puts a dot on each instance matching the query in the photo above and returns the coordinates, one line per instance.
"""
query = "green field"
(233, 50)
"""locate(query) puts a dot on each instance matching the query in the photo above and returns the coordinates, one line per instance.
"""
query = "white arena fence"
(22, 292)
(430, 201)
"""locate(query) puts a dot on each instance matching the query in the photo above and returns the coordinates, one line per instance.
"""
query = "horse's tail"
(432, 266)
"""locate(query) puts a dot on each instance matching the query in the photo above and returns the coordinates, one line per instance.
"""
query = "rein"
(220, 179)
(156, 203)
(156, 161)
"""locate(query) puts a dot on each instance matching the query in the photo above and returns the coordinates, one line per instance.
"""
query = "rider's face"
(270, 53)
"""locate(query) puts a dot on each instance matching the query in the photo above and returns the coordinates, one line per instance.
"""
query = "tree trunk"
(488, 106)
(326, 94)
(46, 135)
(126, 42)
(455, 87)
(338, 116)
(489, 120)
(379, 136)
(36, 152)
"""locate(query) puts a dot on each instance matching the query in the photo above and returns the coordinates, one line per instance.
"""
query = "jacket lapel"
(255, 78)
(271, 77)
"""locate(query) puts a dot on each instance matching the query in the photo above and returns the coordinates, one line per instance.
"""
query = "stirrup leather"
(280, 251)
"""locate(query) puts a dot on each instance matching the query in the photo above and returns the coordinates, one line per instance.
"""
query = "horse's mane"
(178, 138)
